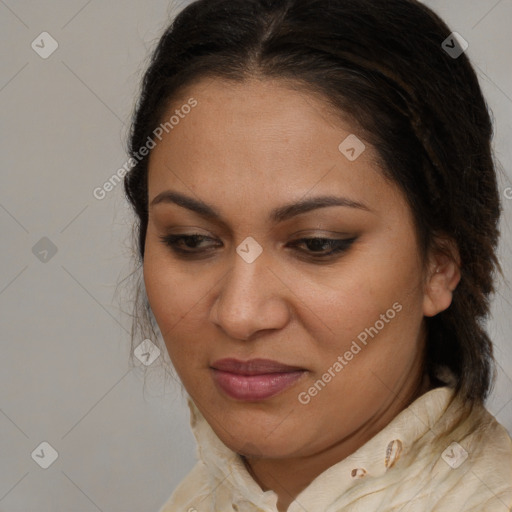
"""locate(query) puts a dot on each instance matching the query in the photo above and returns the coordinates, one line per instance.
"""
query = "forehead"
(257, 140)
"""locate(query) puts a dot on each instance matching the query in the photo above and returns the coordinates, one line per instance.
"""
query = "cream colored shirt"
(433, 456)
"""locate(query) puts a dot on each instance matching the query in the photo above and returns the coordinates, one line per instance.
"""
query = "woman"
(317, 224)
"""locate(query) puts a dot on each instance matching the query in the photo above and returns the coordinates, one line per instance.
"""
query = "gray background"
(65, 376)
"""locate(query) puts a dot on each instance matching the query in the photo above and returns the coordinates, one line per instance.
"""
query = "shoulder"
(475, 467)
(193, 494)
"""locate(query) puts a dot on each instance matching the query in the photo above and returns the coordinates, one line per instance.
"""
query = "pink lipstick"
(256, 379)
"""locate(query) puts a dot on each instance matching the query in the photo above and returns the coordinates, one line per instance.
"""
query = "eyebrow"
(277, 215)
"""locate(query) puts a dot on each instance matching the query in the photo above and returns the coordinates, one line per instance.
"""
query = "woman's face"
(350, 324)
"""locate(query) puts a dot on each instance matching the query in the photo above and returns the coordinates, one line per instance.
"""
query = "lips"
(254, 380)
(253, 366)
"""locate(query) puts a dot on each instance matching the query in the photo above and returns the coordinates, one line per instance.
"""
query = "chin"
(257, 445)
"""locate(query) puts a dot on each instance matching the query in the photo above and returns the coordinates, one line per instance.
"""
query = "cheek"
(357, 297)
(160, 284)
(174, 297)
(391, 269)
(350, 304)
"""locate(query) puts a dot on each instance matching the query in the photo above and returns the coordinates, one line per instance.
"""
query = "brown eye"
(191, 243)
(315, 246)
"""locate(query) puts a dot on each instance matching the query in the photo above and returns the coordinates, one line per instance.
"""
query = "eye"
(191, 241)
(336, 246)
(189, 244)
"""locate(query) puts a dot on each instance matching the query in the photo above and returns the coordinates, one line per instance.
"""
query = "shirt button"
(358, 473)
(393, 452)
(235, 507)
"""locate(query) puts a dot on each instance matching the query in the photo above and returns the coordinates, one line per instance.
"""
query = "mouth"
(254, 380)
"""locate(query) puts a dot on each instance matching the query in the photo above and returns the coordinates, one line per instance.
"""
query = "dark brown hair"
(381, 62)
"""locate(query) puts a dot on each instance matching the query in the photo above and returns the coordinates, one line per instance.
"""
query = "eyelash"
(338, 245)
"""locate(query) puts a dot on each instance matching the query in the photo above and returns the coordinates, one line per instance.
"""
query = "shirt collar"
(232, 483)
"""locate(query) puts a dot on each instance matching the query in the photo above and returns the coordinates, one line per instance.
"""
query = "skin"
(245, 149)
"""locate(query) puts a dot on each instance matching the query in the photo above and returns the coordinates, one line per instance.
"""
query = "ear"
(442, 276)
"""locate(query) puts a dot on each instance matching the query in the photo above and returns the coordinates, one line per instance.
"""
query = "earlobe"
(444, 276)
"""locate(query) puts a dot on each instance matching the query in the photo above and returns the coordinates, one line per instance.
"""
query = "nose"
(251, 299)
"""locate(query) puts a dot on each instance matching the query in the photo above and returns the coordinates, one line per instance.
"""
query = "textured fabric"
(434, 456)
